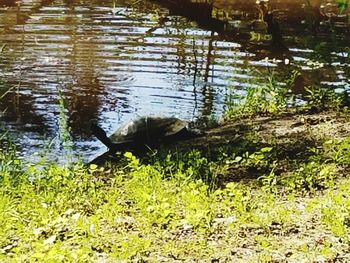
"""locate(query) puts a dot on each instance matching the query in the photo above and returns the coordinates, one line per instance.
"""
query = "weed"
(338, 151)
(190, 165)
(310, 177)
(269, 181)
(343, 5)
(74, 214)
(319, 98)
(268, 95)
(265, 95)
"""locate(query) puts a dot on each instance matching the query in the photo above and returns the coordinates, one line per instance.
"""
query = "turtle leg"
(183, 134)
(193, 133)
(186, 133)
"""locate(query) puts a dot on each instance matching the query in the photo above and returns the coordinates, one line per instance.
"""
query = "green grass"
(270, 93)
(169, 209)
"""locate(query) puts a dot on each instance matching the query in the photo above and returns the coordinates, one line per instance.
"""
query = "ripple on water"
(114, 64)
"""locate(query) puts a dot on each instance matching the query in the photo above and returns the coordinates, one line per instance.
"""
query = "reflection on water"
(114, 63)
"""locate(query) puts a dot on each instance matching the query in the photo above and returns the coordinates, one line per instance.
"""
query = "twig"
(8, 91)
(3, 47)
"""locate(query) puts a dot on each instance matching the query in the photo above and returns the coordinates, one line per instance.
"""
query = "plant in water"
(319, 98)
(2, 48)
(265, 95)
(343, 5)
(64, 130)
(4, 89)
(269, 97)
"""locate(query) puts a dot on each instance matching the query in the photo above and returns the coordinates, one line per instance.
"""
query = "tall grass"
(268, 93)
(64, 129)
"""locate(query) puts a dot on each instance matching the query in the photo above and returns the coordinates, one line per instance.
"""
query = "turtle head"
(100, 134)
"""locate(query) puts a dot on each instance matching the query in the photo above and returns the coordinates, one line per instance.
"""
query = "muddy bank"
(283, 128)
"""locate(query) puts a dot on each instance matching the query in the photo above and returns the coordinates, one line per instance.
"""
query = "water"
(112, 63)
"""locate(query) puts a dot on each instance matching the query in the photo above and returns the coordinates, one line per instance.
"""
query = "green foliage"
(82, 213)
(338, 150)
(310, 177)
(319, 98)
(269, 96)
(272, 96)
(269, 181)
(190, 165)
(318, 173)
(259, 158)
(343, 5)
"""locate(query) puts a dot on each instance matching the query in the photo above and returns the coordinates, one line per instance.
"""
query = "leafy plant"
(319, 98)
(310, 177)
(265, 95)
(338, 150)
(269, 181)
(343, 5)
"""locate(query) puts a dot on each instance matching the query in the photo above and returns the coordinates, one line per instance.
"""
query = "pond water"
(110, 62)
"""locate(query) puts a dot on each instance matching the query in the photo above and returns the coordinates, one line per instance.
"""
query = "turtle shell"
(148, 129)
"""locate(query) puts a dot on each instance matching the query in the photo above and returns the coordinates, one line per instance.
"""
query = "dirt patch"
(285, 128)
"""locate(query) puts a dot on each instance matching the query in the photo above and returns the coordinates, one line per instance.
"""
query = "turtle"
(148, 131)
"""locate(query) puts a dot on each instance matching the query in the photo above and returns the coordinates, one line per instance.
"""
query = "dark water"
(113, 62)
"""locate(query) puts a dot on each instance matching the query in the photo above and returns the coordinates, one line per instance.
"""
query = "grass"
(194, 205)
(269, 94)
(170, 208)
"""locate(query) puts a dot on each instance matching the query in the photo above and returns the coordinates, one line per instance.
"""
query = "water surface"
(111, 63)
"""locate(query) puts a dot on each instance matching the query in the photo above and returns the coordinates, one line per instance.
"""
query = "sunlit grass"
(269, 93)
(165, 211)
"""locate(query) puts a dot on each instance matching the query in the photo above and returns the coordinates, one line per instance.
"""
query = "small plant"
(2, 48)
(265, 95)
(260, 159)
(319, 98)
(269, 181)
(338, 151)
(4, 90)
(310, 177)
(343, 5)
(268, 97)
